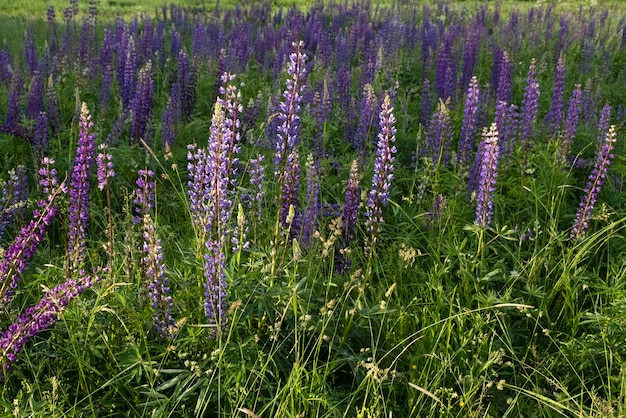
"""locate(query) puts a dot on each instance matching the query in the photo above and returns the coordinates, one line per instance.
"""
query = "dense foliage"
(349, 210)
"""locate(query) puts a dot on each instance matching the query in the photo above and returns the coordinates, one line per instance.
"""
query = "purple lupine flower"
(118, 128)
(468, 128)
(603, 124)
(498, 55)
(34, 97)
(105, 86)
(22, 249)
(470, 56)
(439, 135)
(313, 207)
(378, 195)
(215, 302)
(221, 69)
(176, 43)
(128, 64)
(158, 288)
(104, 162)
(38, 318)
(257, 178)
(198, 187)
(588, 106)
(555, 115)
(530, 107)
(30, 52)
(587, 52)
(84, 46)
(231, 102)
(290, 193)
(54, 39)
(286, 165)
(367, 117)
(209, 172)
(144, 199)
(351, 204)
(15, 92)
(142, 103)
(486, 187)
(219, 176)
(13, 197)
(172, 115)
(571, 122)
(40, 137)
(5, 64)
(48, 177)
(67, 47)
(187, 79)
(288, 117)
(592, 189)
(506, 119)
(505, 80)
(79, 191)
(52, 104)
(443, 64)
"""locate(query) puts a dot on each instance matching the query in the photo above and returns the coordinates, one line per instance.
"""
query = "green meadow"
(351, 209)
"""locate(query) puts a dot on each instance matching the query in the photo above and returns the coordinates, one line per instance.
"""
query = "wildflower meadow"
(327, 209)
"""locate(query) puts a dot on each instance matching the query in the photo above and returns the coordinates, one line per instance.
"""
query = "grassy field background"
(424, 310)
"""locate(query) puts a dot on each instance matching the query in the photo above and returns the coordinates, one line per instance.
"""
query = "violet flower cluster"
(215, 284)
(104, 162)
(367, 117)
(13, 197)
(231, 102)
(79, 191)
(313, 206)
(378, 195)
(603, 125)
(152, 259)
(468, 128)
(38, 318)
(171, 116)
(288, 131)
(351, 204)
(210, 195)
(555, 115)
(22, 250)
(530, 107)
(290, 193)
(218, 162)
(593, 187)
(126, 67)
(48, 177)
(489, 157)
(144, 199)
(142, 103)
(158, 288)
(571, 122)
(439, 136)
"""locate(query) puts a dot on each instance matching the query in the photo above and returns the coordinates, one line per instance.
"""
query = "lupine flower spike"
(79, 192)
(22, 250)
(592, 189)
(158, 288)
(289, 132)
(38, 318)
(488, 175)
(383, 172)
